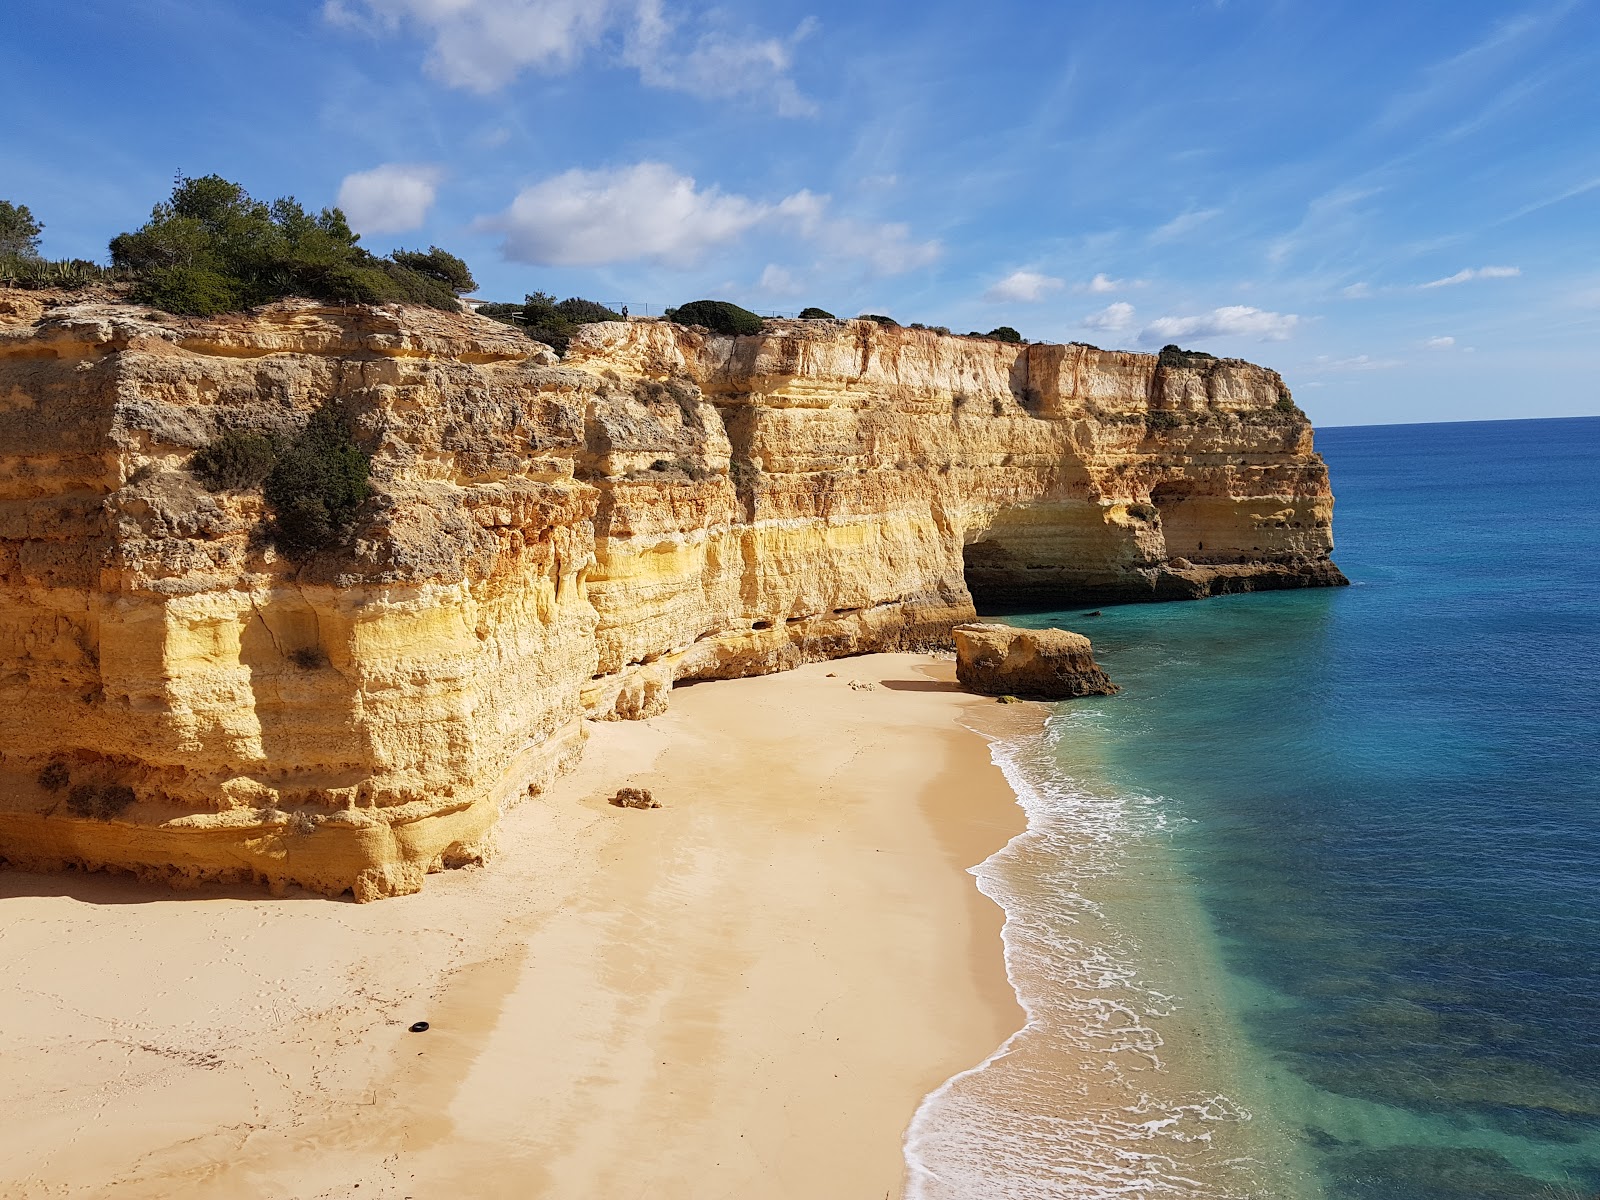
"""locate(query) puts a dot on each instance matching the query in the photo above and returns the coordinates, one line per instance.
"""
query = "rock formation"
(1036, 664)
(547, 541)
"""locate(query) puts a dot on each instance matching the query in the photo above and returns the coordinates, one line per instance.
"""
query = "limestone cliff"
(548, 540)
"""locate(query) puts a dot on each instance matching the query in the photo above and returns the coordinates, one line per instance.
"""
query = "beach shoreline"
(746, 992)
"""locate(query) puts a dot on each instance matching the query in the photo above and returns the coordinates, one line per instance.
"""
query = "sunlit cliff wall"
(548, 540)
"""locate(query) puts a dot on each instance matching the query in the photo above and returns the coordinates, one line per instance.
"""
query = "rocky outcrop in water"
(1034, 664)
(547, 541)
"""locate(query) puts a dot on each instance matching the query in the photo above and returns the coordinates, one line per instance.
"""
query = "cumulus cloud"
(392, 198)
(649, 211)
(646, 211)
(482, 45)
(1023, 287)
(1439, 343)
(1114, 318)
(1470, 273)
(1102, 283)
(1236, 320)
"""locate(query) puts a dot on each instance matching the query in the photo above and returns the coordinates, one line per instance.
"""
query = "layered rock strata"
(1033, 664)
(547, 541)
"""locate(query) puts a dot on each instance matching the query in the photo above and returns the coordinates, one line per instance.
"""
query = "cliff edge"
(547, 541)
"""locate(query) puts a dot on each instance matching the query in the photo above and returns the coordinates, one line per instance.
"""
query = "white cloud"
(482, 45)
(392, 198)
(1182, 224)
(1237, 320)
(1023, 287)
(649, 211)
(646, 211)
(1439, 343)
(1469, 274)
(1357, 291)
(1102, 283)
(717, 65)
(1114, 318)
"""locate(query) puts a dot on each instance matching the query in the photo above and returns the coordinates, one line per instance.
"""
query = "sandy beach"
(744, 993)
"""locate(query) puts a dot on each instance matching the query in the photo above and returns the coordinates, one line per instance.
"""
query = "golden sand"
(745, 993)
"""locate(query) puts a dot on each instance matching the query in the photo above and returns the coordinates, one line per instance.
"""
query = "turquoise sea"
(1312, 908)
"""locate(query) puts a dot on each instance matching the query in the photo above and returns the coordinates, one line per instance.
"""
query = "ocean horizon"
(1307, 910)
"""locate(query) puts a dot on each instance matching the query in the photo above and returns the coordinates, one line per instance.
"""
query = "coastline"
(749, 991)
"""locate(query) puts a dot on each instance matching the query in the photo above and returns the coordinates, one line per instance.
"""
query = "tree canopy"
(719, 316)
(212, 247)
(19, 232)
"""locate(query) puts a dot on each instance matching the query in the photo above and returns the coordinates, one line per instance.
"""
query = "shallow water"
(1317, 896)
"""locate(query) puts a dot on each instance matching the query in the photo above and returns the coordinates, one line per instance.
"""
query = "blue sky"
(1395, 204)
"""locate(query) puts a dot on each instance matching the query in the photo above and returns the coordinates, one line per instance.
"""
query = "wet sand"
(744, 993)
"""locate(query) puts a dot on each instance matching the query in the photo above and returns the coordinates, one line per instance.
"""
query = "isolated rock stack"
(1041, 664)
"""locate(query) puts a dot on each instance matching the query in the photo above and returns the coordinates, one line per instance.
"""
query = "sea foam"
(1077, 1103)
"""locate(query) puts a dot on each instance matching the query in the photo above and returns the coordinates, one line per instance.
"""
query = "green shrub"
(553, 323)
(816, 314)
(237, 459)
(316, 485)
(19, 232)
(213, 248)
(719, 316)
(1173, 356)
(440, 265)
(1161, 420)
(194, 291)
(886, 322)
(586, 312)
(1003, 333)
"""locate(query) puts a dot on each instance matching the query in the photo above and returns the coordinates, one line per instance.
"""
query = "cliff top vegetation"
(212, 248)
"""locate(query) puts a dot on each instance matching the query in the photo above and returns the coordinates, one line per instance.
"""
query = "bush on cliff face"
(313, 481)
(719, 316)
(237, 459)
(816, 314)
(886, 322)
(1004, 333)
(99, 801)
(316, 485)
(212, 248)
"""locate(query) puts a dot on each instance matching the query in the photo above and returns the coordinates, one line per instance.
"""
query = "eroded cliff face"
(548, 541)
